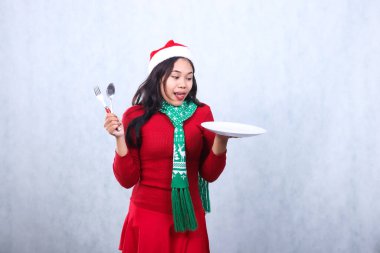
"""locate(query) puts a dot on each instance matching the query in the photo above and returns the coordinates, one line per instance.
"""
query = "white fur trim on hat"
(166, 53)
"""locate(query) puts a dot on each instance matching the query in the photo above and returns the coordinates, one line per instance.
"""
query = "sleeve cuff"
(221, 155)
(119, 156)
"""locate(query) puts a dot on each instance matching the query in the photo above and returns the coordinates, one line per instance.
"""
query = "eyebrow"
(181, 72)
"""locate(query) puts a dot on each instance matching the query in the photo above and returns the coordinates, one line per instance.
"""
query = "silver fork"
(100, 97)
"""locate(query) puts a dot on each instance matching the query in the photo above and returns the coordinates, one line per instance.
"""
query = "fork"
(100, 97)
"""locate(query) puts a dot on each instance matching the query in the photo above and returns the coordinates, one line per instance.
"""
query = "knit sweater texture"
(149, 169)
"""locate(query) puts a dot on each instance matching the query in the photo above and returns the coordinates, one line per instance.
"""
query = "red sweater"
(149, 169)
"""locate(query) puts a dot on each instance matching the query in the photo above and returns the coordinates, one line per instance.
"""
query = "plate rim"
(232, 134)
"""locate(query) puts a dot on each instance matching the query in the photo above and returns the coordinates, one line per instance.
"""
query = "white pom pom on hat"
(171, 49)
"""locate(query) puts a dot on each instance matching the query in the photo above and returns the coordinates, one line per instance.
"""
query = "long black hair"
(149, 96)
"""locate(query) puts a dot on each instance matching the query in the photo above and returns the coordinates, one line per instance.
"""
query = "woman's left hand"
(220, 144)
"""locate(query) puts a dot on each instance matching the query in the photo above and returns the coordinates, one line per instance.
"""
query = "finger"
(111, 124)
(111, 121)
(110, 116)
(117, 131)
(110, 129)
(114, 126)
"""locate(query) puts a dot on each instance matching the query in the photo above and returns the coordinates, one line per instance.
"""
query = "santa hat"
(171, 49)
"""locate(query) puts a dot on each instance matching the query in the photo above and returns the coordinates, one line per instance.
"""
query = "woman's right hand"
(113, 125)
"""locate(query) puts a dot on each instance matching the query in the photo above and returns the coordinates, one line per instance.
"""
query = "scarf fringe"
(183, 211)
(204, 192)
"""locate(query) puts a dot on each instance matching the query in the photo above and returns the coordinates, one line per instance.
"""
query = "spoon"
(110, 93)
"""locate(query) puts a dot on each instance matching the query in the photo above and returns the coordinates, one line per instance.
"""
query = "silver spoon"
(110, 93)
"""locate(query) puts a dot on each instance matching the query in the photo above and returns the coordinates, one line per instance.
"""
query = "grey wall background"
(307, 71)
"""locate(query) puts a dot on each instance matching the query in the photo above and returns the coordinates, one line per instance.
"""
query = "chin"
(177, 103)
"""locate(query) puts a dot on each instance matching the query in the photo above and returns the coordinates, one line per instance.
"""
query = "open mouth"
(180, 95)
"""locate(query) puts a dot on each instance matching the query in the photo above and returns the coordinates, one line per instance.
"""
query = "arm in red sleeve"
(127, 168)
(212, 165)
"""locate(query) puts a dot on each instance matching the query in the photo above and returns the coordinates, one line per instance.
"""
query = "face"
(179, 83)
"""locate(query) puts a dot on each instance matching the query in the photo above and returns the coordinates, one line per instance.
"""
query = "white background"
(307, 71)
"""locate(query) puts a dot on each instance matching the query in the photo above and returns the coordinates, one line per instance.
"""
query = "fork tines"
(97, 91)
(99, 96)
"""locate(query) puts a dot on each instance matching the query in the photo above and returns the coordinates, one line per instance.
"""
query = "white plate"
(233, 129)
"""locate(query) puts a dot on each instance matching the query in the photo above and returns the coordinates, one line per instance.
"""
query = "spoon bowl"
(110, 94)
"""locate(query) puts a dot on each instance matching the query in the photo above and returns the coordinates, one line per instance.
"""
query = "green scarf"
(182, 206)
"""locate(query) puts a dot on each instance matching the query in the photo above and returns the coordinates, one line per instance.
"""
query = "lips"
(180, 95)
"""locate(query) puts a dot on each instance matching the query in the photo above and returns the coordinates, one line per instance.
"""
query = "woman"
(167, 157)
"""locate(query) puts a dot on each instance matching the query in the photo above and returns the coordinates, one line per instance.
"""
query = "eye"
(175, 77)
(189, 78)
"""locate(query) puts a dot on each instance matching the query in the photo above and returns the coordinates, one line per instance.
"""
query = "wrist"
(221, 139)
(121, 146)
(120, 137)
(220, 144)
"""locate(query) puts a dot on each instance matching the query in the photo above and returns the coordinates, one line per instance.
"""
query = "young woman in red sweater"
(164, 153)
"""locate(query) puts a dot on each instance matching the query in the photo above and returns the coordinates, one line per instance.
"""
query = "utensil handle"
(108, 110)
(111, 107)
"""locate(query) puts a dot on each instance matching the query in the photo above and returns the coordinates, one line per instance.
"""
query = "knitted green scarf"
(182, 206)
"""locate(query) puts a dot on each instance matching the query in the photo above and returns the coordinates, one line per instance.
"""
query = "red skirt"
(147, 231)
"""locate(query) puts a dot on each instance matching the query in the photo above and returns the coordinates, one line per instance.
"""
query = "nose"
(182, 83)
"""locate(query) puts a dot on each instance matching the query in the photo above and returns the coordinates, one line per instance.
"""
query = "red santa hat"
(171, 49)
